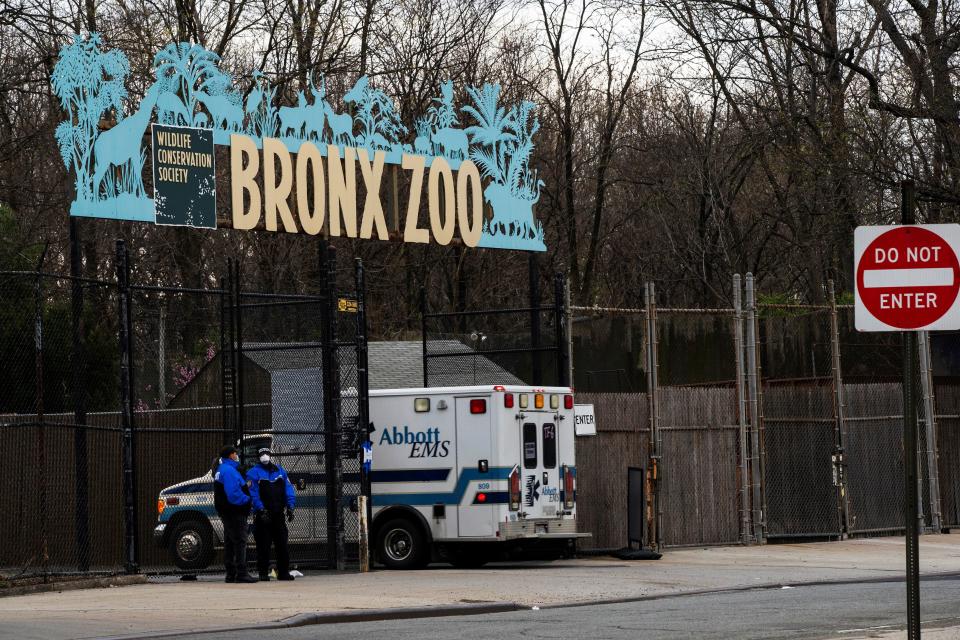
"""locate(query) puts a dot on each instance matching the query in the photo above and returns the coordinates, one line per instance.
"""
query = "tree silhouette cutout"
(89, 82)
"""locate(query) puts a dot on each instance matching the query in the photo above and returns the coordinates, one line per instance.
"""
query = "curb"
(71, 585)
(437, 611)
(748, 587)
(339, 617)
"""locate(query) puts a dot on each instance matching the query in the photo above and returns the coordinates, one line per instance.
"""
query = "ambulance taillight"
(569, 487)
(514, 480)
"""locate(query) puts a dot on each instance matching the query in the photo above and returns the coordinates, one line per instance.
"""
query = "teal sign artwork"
(184, 177)
(294, 168)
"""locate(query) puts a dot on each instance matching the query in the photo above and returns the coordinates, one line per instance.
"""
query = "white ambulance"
(459, 474)
(472, 474)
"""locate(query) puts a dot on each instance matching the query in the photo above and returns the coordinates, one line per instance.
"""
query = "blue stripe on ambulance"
(448, 497)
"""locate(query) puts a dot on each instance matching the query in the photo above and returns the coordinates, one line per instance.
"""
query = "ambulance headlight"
(421, 405)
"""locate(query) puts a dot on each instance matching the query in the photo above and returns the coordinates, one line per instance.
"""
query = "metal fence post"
(839, 413)
(655, 530)
(930, 429)
(79, 392)
(533, 268)
(41, 422)
(569, 333)
(560, 320)
(741, 412)
(753, 375)
(131, 541)
(363, 396)
(331, 407)
(423, 334)
(238, 364)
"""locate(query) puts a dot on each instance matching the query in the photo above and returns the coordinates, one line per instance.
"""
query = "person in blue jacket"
(273, 497)
(232, 502)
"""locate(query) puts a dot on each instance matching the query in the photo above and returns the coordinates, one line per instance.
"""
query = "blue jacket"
(270, 488)
(229, 489)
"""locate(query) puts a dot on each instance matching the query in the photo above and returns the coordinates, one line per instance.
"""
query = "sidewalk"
(167, 604)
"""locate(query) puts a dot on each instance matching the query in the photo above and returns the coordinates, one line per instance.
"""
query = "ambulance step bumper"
(540, 529)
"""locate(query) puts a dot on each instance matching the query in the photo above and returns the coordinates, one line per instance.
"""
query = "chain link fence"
(767, 420)
(118, 394)
(497, 346)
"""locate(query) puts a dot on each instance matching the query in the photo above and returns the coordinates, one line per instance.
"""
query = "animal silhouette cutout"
(121, 144)
(510, 211)
(170, 109)
(315, 113)
(292, 118)
(341, 126)
(453, 142)
(224, 114)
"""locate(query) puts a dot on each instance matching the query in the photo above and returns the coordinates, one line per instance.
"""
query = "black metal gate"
(498, 346)
(135, 392)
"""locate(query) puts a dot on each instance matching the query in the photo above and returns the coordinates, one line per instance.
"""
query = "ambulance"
(464, 475)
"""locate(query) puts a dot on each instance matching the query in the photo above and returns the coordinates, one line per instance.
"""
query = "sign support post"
(910, 448)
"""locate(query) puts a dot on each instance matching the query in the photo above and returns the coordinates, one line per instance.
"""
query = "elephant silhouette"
(453, 141)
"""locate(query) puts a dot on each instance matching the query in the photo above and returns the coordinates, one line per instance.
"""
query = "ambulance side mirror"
(483, 466)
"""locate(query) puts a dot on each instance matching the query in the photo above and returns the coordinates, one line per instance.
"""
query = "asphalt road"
(807, 612)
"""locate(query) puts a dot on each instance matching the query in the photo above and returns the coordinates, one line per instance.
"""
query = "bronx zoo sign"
(293, 169)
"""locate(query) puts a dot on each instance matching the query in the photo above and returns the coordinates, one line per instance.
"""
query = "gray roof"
(393, 365)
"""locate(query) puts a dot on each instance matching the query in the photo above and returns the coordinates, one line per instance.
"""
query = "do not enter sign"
(907, 277)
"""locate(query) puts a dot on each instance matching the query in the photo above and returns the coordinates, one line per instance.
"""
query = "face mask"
(265, 459)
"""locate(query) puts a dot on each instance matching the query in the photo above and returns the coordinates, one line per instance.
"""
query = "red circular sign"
(908, 277)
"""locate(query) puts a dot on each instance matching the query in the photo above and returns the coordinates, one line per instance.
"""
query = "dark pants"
(274, 532)
(235, 544)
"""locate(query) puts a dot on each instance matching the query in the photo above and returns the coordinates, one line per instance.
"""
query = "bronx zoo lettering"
(333, 205)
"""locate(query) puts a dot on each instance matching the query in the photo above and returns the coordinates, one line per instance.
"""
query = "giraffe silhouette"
(121, 144)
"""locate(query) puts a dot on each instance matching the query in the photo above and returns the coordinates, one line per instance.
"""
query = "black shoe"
(264, 577)
(230, 579)
(246, 579)
(284, 576)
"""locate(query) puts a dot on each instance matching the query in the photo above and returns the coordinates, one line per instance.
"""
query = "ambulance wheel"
(191, 545)
(402, 545)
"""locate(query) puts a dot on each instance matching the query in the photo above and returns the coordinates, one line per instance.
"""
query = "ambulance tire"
(401, 544)
(191, 544)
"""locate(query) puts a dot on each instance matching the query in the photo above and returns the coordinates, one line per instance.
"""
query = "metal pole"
(741, 412)
(331, 408)
(560, 321)
(753, 406)
(423, 334)
(239, 419)
(930, 427)
(910, 449)
(126, 407)
(569, 332)
(41, 422)
(533, 269)
(656, 519)
(363, 411)
(79, 392)
(839, 414)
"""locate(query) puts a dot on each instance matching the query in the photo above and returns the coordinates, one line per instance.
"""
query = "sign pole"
(910, 448)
